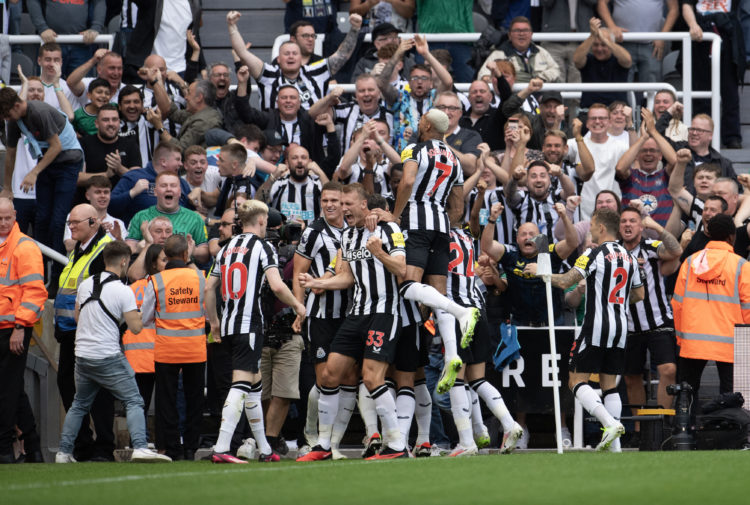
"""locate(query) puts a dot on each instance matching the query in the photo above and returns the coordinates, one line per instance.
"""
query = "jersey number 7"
(445, 171)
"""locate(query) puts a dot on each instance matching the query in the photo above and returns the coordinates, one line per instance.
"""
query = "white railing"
(52, 254)
(687, 94)
(106, 38)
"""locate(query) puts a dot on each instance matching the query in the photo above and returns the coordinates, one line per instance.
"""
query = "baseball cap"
(551, 95)
(274, 138)
(384, 29)
(275, 218)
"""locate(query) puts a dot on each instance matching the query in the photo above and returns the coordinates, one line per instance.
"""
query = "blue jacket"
(124, 207)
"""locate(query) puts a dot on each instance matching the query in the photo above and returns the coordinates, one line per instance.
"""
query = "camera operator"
(282, 347)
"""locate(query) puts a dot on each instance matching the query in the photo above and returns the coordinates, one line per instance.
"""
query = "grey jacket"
(556, 15)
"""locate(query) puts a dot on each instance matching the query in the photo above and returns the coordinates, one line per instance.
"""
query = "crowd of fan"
(152, 142)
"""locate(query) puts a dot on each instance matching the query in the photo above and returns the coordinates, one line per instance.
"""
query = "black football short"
(320, 333)
(373, 336)
(585, 358)
(479, 349)
(412, 350)
(428, 250)
(660, 342)
(247, 349)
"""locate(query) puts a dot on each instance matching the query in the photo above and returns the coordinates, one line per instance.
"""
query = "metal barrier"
(687, 94)
(106, 38)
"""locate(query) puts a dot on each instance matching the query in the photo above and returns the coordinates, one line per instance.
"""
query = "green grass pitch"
(683, 478)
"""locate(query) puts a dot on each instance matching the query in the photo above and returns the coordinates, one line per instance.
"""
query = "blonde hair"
(249, 210)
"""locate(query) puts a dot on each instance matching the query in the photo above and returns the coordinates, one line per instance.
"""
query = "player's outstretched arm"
(342, 280)
(282, 291)
(636, 294)
(564, 281)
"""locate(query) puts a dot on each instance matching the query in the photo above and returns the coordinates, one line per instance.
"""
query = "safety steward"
(139, 350)
(173, 303)
(84, 261)
(711, 296)
(21, 304)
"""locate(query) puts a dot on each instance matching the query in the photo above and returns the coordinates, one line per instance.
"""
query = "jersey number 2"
(455, 248)
(621, 276)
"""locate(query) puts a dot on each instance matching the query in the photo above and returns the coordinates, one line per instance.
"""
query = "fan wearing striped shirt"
(612, 283)
(311, 80)
(242, 266)
(650, 325)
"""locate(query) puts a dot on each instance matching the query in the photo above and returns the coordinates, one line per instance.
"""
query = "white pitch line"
(127, 478)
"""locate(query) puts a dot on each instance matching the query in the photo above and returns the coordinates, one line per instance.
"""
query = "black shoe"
(189, 455)
(34, 457)
(176, 455)
(279, 445)
(734, 144)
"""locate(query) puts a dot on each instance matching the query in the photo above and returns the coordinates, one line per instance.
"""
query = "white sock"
(613, 404)
(347, 402)
(230, 415)
(593, 404)
(477, 423)
(422, 411)
(461, 410)
(427, 295)
(494, 401)
(405, 404)
(311, 422)
(386, 409)
(254, 413)
(328, 407)
(447, 325)
(391, 387)
(367, 410)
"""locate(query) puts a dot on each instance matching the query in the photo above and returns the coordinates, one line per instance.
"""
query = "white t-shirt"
(97, 336)
(169, 43)
(24, 164)
(211, 180)
(605, 156)
(50, 96)
(107, 219)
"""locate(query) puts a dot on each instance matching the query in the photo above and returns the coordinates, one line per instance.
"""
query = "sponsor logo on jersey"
(398, 239)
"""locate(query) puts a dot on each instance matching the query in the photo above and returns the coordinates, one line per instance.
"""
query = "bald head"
(6, 203)
(156, 61)
(83, 222)
(7, 216)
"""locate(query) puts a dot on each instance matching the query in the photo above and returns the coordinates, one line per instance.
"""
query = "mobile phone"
(513, 124)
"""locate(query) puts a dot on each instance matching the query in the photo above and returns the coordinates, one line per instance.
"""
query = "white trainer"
(146, 455)
(460, 451)
(610, 434)
(248, 450)
(511, 439)
(64, 457)
(336, 454)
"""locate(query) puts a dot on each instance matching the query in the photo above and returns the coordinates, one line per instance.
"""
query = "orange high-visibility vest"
(711, 295)
(22, 291)
(139, 349)
(179, 316)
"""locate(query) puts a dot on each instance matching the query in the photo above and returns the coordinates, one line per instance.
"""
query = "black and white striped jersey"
(297, 199)
(610, 272)
(461, 287)
(312, 83)
(375, 288)
(542, 213)
(320, 243)
(349, 118)
(505, 228)
(410, 313)
(694, 220)
(654, 310)
(438, 170)
(380, 176)
(241, 266)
